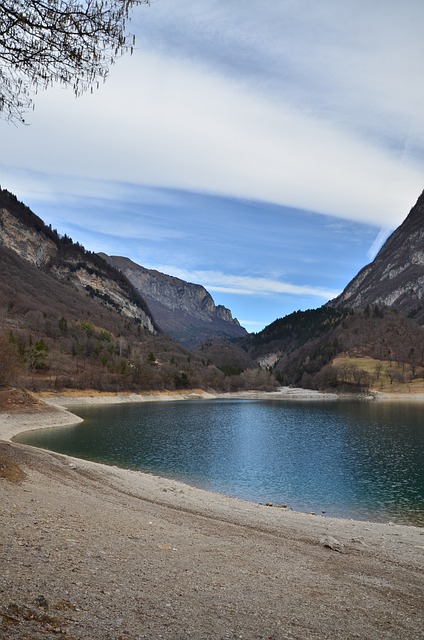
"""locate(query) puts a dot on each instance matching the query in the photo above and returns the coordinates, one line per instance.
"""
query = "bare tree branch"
(72, 42)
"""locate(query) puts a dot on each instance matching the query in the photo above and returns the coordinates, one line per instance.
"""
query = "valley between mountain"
(73, 319)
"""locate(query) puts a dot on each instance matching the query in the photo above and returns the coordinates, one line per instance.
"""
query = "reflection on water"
(352, 459)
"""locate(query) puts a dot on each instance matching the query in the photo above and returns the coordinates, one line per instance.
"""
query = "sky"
(262, 148)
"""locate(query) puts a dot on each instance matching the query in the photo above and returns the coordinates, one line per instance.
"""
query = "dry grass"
(388, 377)
(77, 393)
(31, 622)
(12, 399)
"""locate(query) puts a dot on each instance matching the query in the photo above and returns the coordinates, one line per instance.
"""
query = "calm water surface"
(352, 459)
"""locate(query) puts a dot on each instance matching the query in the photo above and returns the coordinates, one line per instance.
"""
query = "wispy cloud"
(252, 325)
(245, 285)
(382, 236)
(324, 128)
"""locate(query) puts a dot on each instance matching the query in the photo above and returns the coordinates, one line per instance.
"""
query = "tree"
(72, 42)
(37, 355)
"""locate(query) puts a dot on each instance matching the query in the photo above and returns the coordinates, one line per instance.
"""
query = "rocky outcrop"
(25, 234)
(183, 310)
(99, 284)
(395, 278)
(25, 241)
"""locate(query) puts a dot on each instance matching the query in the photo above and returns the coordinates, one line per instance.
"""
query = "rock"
(41, 601)
(331, 543)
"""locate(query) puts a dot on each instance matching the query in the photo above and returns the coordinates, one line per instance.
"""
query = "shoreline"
(63, 401)
(60, 403)
(55, 411)
(196, 564)
(72, 397)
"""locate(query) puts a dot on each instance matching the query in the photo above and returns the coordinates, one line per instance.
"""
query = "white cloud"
(313, 105)
(382, 236)
(355, 62)
(273, 103)
(253, 324)
(197, 131)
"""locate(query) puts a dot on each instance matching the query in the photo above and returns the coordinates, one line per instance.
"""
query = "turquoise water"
(362, 460)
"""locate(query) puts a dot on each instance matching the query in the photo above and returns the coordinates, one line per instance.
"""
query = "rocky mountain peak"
(395, 278)
(183, 310)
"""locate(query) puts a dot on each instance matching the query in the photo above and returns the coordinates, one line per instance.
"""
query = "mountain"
(24, 233)
(395, 278)
(376, 323)
(69, 319)
(183, 310)
(72, 318)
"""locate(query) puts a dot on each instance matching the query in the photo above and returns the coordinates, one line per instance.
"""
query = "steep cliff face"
(25, 234)
(25, 241)
(185, 311)
(395, 278)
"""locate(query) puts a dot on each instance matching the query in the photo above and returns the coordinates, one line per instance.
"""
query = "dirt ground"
(89, 551)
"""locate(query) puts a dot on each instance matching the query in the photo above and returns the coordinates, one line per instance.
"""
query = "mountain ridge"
(379, 315)
(26, 234)
(184, 310)
(69, 319)
(395, 278)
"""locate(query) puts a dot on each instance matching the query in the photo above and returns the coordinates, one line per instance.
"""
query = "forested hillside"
(69, 319)
(300, 349)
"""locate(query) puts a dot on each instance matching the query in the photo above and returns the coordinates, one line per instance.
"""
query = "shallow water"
(354, 459)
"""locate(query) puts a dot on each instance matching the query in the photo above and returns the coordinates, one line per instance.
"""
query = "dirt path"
(94, 552)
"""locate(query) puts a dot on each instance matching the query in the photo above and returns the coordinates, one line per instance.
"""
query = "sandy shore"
(95, 552)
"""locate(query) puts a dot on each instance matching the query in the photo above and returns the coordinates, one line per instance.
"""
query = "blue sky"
(263, 149)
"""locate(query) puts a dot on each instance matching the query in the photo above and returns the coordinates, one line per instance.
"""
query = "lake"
(355, 459)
